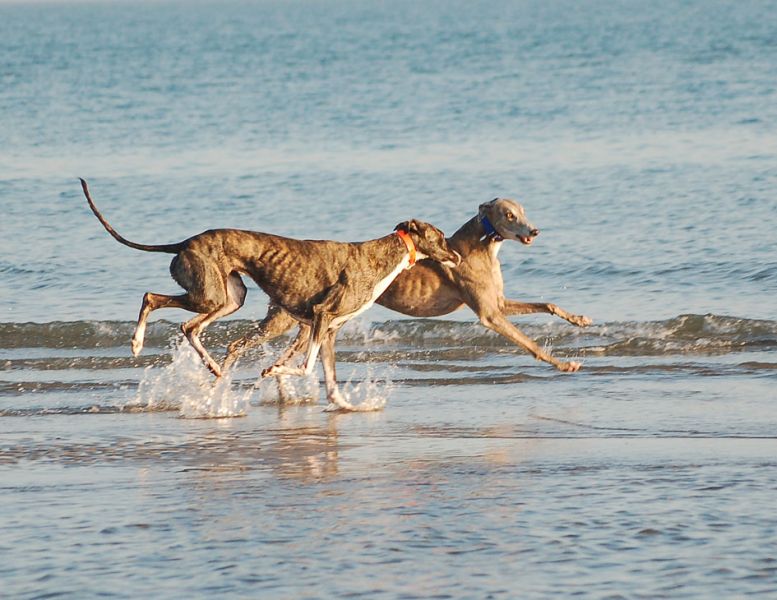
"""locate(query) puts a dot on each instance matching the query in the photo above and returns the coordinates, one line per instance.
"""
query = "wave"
(683, 334)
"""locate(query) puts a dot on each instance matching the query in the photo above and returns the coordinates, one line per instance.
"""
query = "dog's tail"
(169, 248)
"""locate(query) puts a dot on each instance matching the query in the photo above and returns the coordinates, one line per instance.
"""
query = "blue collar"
(489, 230)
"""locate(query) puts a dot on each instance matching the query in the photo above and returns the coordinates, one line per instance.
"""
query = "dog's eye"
(510, 216)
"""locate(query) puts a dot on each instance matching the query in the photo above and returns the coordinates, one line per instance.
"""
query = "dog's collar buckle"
(490, 231)
(405, 237)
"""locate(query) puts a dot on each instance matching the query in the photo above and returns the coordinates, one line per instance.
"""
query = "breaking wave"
(679, 335)
(86, 367)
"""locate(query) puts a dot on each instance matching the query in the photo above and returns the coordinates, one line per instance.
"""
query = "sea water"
(641, 139)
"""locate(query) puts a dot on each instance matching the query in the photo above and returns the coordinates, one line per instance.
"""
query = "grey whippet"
(319, 283)
(432, 289)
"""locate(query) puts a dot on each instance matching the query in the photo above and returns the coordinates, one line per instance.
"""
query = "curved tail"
(169, 248)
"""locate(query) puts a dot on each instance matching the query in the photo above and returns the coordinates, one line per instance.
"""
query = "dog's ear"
(483, 207)
(410, 226)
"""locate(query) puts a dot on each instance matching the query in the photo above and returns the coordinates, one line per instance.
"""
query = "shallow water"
(641, 140)
(648, 473)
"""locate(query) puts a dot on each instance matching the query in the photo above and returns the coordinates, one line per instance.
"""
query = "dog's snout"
(452, 259)
(534, 232)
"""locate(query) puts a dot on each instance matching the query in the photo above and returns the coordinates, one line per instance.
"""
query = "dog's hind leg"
(513, 307)
(320, 337)
(235, 297)
(306, 335)
(324, 313)
(314, 336)
(281, 366)
(277, 322)
(296, 346)
(152, 302)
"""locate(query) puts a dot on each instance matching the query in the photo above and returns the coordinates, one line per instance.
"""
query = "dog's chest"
(379, 288)
(495, 267)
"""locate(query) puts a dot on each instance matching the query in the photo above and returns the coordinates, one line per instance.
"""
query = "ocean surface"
(641, 138)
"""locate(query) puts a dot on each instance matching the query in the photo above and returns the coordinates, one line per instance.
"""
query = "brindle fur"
(319, 283)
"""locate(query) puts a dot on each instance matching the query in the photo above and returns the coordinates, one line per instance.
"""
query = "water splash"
(186, 385)
(288, 390)
(370, 394)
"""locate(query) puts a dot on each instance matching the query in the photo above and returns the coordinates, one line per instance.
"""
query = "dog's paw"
(137, 346)
(336, 407)
(581, 320)
(337, 402)
(585, 321)
(270, 372)
(569, 367)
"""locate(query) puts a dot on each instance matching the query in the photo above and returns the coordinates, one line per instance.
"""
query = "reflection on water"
(297, 447)
(407, 502)
(307, 454)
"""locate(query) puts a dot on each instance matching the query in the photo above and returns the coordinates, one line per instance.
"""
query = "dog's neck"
(389, 251)
(408, 241)
(473, 237)
(489, 232)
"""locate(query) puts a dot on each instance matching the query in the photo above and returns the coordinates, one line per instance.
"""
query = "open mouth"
(526, 240)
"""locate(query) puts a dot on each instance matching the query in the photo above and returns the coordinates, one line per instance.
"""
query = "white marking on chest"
(496, 268)
(379, 288)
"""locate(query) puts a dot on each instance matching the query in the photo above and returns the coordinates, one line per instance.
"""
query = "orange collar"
(405, 237)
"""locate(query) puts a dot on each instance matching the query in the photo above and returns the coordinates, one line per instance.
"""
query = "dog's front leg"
(336, 399)
(492, 318)
(513, 307)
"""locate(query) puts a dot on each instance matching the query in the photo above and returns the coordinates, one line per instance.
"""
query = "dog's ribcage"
(379, 288)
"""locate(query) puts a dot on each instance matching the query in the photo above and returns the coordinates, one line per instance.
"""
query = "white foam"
(187, 386)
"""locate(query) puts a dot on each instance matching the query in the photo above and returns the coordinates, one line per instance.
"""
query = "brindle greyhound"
(319, 283)
(432, 289)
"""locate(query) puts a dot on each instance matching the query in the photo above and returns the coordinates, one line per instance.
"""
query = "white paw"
(337, 402)
(137, 346)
